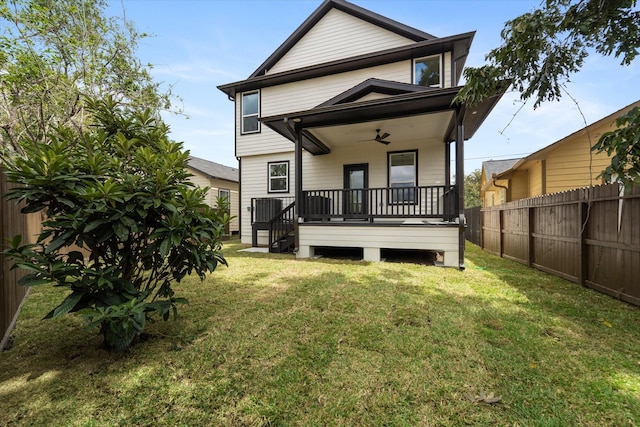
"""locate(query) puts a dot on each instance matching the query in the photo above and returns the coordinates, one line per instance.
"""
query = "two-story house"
(346, 135)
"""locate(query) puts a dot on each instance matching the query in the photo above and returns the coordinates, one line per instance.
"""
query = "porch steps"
(282, 230)
(284, 245)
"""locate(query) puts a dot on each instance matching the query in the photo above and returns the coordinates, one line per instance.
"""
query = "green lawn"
(275, 341)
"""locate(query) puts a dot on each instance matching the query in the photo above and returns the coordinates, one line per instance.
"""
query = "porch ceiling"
(429, 114)
(403, 129)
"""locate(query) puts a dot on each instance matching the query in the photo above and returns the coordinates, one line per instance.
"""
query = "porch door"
(356, 181)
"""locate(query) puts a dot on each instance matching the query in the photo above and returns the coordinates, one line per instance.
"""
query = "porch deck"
(373, 237)
(422, 218)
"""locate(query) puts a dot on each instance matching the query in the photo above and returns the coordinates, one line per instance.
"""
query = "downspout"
(495, 184)
(239, 159)
(235, 152)
(460, 184)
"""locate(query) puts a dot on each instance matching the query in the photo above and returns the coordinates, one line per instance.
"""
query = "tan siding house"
(345, 136)
(222, 182)
(566, 164)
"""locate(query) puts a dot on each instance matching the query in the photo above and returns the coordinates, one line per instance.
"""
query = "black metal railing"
(264, 209)
(368, 204)
(265, 212)
(280, 227)
(371, 203)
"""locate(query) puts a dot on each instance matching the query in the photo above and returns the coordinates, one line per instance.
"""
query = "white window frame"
(285, 177)
(441, 71)
(243, 116)
(224, 190)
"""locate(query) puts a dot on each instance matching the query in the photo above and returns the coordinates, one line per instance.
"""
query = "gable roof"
(373, 85)
(540, 154)
(344, 6)
(458, 44)
(213, 169)
(395, 106)
(496, 167)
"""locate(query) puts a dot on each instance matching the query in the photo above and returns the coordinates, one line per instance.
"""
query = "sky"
(196, 45)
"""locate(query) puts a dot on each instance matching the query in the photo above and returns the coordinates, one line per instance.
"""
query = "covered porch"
(362, 144)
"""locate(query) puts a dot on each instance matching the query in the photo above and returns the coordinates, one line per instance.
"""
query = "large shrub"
(122, 222)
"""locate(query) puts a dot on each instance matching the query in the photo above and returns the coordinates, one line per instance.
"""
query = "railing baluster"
(372, 203)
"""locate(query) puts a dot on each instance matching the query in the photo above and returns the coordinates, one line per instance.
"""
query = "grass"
(275, 341)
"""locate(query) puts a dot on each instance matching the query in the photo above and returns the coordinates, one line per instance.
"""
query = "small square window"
(427, 71)
(278, 177)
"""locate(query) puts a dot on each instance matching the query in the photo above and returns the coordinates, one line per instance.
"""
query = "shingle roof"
(497, 166)
(213, 169)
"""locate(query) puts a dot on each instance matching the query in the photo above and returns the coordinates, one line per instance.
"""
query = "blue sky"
(199, 44)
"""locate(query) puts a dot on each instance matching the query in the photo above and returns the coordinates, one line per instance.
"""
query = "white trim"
(372, 239)
(228, 196)
(243, 116)
(285, 177)
(441, 71)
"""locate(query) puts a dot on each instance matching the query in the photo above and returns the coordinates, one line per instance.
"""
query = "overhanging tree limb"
(541, 49)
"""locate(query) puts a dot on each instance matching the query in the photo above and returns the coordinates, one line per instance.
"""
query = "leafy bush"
(122, 222)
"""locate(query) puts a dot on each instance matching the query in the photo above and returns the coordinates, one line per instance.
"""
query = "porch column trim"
(460, 183)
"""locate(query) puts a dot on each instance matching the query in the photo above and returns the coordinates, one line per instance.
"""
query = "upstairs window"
(278, 177)
(250, 112)
(428, 71)
(403, 177)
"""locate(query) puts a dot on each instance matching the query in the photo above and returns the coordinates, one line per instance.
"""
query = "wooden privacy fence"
(590, 236)
(12, 222)
(473, 230)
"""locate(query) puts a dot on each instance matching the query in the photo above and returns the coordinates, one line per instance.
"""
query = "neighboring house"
(564, 165)
(345, 136)
(493, 191)
(222, 182)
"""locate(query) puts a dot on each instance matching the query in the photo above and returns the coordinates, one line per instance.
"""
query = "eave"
(404, 105)
(459, 45)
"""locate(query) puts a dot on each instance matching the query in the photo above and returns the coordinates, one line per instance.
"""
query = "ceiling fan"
(379, 138)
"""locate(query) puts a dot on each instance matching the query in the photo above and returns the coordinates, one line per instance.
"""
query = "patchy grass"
(275, 341)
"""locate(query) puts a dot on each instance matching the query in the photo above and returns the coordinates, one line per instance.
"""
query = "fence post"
(482, 216)
(500, 223)
(582, 253)
(530, 250)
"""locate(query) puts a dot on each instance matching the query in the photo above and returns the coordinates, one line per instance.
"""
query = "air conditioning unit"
(267, 209)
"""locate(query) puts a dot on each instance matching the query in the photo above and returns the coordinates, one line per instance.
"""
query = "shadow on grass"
(279, 341)
(574, 344)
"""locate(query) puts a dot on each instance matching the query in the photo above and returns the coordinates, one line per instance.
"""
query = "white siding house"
(345, 136)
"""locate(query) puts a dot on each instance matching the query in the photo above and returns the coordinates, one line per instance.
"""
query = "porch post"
(460, 183)
(447, 165)
(447, 199)
(298, 183)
